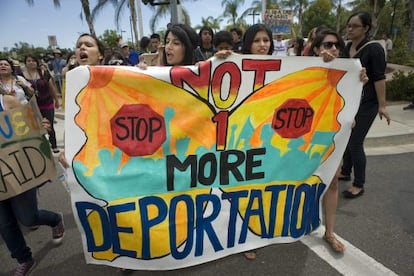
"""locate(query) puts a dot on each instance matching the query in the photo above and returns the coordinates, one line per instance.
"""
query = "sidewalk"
(398, 137)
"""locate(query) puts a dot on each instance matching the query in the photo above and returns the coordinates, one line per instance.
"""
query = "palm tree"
(85, 8)
(56, 3)
(163, 10)
(87, 12)
(119, 5)
(298, 6)
(210, 21)
(230, 10)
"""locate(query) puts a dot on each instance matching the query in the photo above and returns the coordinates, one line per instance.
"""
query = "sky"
(33, 24)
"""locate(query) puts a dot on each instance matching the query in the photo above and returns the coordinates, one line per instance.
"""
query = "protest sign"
(279, 21)
(177, 166)
(26, 160)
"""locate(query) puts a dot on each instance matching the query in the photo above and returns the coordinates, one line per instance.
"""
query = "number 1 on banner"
(221, 119)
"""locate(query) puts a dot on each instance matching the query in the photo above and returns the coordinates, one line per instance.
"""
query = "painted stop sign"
(293, 118)
(138, 130)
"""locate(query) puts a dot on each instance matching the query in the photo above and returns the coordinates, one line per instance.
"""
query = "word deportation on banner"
(177, 166)
(26, 160)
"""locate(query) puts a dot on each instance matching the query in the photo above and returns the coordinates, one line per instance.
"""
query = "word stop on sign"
(293, 118)
(138, 130)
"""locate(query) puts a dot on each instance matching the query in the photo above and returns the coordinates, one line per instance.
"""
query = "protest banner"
(26, 160)
(177, 166)
(279, 21)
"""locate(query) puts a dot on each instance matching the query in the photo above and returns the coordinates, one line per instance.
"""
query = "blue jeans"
(354, 156)
(22, 208)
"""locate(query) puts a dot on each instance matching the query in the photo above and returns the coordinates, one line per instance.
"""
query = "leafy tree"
(318, 13)
(109, 38)
(410, 43)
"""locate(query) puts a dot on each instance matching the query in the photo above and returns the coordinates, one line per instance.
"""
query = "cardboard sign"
(279, 21)
(26, 160)
(151, 59)
(177, 166)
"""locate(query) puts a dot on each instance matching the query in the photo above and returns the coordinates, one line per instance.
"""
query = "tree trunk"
(375, 15)
(300, 12)
(88, 17)
(134, 21)
(410, 43)
(338, 17)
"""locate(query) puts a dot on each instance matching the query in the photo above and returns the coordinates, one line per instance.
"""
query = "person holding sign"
(23, 208)
(328, 44)
(257, 40)
(180, 47)
(89, 50)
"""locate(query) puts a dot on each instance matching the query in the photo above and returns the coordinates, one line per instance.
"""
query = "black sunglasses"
(330, 44)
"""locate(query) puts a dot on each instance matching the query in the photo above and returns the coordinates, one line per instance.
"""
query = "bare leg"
(330, 203)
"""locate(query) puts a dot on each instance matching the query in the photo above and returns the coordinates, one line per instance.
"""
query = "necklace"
(4, 89)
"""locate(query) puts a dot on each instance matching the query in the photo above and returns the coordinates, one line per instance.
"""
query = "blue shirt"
(133, 57)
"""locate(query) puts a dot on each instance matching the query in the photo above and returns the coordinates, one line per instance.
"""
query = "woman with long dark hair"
(372, 57)
(180, 44)
(45, 92)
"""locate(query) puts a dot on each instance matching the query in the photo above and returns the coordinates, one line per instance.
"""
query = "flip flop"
(334, 243)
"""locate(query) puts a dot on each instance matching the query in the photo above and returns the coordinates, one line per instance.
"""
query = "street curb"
(388, 141)
(60, 116)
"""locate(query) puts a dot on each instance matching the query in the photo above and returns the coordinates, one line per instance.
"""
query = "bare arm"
(380, 89)
(53, 92)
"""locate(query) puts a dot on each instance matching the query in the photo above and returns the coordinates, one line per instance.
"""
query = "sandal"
(250, 255)
(334, 243)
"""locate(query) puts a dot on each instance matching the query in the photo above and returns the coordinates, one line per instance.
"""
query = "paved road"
(378, 229)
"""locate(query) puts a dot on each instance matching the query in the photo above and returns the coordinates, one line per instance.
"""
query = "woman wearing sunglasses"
(372, 57)
(329, 45)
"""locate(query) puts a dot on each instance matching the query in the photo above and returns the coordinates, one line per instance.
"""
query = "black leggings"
(354, 156)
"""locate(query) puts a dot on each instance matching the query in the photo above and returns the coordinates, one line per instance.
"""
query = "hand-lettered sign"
(26, 160)
(176, 166)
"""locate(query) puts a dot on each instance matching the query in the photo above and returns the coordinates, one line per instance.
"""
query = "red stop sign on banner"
(293, 118)
(138, 130)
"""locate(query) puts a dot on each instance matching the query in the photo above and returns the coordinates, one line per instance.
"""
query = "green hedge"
(401, 87)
